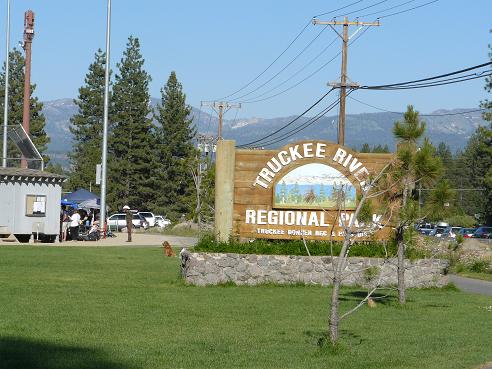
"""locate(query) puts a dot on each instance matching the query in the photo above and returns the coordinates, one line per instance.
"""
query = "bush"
(480, 266)
(296, 247)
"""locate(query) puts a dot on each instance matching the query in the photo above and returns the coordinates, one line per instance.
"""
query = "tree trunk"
(401, 250)
(334, 315)
(401, 267)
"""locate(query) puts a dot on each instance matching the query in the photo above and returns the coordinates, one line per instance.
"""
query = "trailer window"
(35, 205)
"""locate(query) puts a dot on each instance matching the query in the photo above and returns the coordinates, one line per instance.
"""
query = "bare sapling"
(361, 223)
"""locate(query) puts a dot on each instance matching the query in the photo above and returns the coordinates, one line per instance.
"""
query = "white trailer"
(30, 204)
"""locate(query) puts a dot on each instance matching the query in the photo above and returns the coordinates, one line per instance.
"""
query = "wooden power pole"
(220, 107)
(28, 37)
(343, 78)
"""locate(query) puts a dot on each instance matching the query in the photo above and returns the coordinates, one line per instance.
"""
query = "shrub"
(296, 247)
(480, 266)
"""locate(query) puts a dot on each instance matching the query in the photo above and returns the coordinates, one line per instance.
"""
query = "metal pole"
(6, 101)
(28, 37)
(105, 124)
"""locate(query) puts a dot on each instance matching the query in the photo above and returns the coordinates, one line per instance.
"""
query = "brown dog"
(168, 250)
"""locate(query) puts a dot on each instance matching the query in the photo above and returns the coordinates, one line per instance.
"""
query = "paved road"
(139, 240)
(472, 285)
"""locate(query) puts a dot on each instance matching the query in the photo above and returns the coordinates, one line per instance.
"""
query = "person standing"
(65, 225)
(129, 223)
(74, 226)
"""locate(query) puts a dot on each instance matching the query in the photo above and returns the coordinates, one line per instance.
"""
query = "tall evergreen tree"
(486, 149)
(477, 174)
(16, 102)
(175, 151)
(87, 125)
(444, 152)
(415, 166)
(487, 104)
(131, 145)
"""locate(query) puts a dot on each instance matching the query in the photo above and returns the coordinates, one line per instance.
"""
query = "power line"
(284, 68)
(422, 115)
(407, 10)
(335, 10)
(292, 121)
(429, 78)
(305, 125)
(358, 10)
(297, 72)
(271, 64)
(387, 9)
(307, 77)
(433, 84)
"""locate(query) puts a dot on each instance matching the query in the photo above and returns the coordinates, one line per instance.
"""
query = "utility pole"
(104, 160)
(343, 78)
(28, 37)
(205, 145)
(220, 107)
(6, 90)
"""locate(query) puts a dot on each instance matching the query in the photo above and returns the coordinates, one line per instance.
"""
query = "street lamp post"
(105, 123)
(6, 100)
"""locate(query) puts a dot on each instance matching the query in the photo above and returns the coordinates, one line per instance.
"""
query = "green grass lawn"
(482, 276)
(126, 308)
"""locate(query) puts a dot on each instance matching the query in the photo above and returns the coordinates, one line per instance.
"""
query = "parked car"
(162, 222)
(118, 221)
(455, 231)
(425, 228)
(149, 217)
(439, 230)
(483, 232)
(467, 232)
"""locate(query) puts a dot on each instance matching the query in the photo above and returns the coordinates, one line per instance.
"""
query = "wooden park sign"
(292, 192)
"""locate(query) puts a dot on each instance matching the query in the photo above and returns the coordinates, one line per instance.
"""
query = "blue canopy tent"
(79, 196)
(69, 203)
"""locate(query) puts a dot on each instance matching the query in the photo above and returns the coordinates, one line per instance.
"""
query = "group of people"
(73, 221)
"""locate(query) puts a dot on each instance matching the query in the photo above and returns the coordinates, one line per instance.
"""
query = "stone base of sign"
(203, 269)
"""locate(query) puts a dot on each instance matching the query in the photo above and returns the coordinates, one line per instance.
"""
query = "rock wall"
(203, 269)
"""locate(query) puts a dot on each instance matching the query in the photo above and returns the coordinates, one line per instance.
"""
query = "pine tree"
(87, 125)
(16, 102)
(477, 174)
(487, 104)
(175, 152)
(486, 150)
(443, 151)
(131, 145)
(420, 166)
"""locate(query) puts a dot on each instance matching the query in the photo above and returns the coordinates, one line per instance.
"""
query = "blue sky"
(217, 46)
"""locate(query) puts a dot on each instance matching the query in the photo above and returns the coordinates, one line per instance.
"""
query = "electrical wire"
(335, 10)
(305, 125)
(430, 78)
(434, 84)
(292, 121)
(296, 73)
(285, 67)
(358, 10)
(387, 9)
(407, 10)
(422, 115)
(306, 78)
(271, 64)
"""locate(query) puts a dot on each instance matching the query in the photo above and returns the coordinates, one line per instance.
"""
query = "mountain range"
(371, 128)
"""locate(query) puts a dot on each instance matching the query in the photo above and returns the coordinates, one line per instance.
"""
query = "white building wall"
(13, 207)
